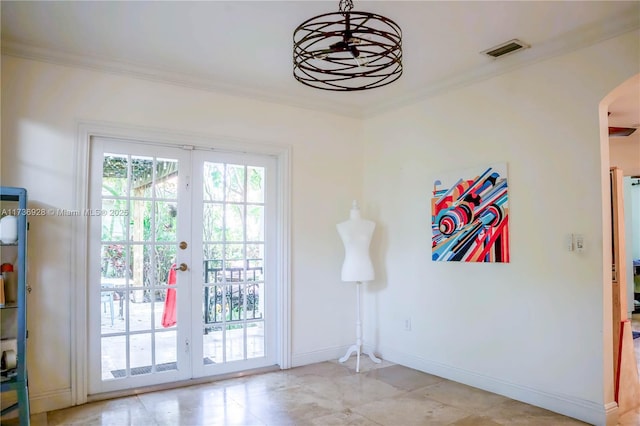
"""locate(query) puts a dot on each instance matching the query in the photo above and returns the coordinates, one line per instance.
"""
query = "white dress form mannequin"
(356, 236)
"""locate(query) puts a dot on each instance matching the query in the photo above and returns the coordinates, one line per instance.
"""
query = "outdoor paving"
(114, 348)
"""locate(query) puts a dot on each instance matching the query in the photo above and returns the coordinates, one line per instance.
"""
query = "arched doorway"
(621, 383)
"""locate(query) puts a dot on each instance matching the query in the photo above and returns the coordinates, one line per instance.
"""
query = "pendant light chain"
(345, 6)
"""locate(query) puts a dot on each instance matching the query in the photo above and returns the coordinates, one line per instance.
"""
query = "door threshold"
(180, 384)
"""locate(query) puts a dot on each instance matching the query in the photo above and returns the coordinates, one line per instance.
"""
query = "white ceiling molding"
(565, 43)
(58, 57)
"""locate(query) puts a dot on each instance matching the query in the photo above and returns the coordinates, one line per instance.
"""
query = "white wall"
(625, 153)
(42, 105)
(531, 329)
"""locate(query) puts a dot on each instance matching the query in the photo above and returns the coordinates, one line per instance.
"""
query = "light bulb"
(361, 61)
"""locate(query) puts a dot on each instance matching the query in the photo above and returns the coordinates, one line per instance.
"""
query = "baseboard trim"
(49, 401)
(581, 409)
(322, 355)
(611, 413)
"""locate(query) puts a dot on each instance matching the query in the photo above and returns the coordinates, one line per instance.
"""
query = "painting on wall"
(470, 216)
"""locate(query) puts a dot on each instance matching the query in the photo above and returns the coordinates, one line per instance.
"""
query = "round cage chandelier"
(347, 50)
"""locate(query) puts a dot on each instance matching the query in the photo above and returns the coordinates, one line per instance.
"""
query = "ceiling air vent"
(505, 48)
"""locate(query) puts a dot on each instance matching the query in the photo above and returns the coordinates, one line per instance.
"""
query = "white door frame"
(80, 231)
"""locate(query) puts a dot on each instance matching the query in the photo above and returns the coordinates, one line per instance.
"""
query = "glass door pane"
(234, 285)
(141, 292)
(138, 285)
(153, 321)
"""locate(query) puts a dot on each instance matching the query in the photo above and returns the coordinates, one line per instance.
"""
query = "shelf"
(16, 313)
(6, 377)
(10, 408)
(9, 306)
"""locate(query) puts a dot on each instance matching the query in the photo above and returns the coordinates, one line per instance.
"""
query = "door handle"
(183, 267)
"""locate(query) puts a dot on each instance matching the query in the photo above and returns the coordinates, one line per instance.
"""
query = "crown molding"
(571, 41)
(59, 57)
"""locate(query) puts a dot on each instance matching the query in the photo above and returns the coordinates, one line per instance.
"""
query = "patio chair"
(106, 298)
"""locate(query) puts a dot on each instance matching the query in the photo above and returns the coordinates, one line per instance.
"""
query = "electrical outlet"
(407, 324)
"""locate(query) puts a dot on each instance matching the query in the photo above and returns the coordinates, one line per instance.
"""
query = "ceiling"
(245, 47)
(625, 110)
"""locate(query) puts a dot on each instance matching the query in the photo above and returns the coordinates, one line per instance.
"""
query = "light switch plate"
(569, 242)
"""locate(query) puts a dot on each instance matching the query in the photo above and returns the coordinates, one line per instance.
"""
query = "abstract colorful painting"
(470, 216)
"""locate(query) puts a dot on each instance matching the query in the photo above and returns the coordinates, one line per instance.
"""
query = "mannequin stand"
(358, 348)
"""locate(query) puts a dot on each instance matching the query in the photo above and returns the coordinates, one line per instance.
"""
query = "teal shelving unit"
(14, 315)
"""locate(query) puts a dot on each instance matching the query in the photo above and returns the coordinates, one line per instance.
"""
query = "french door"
(234, 303)
(181, 252)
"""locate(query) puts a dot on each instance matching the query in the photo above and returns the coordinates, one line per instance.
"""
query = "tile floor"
(323, 394)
